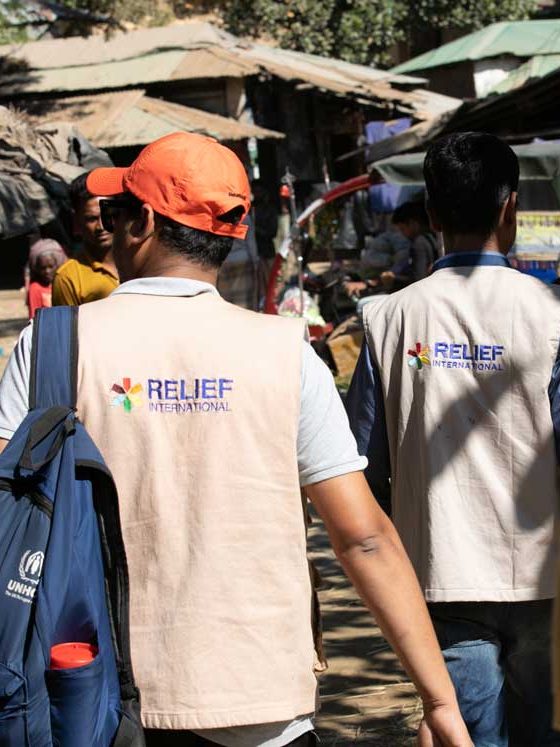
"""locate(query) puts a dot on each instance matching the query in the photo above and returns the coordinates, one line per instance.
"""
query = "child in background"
(412, 222)
(45, 257)
(411, 219)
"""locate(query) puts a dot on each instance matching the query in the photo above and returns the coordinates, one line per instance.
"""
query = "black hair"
(79, 191)
(202, 247)
(409, 211)
(469, 176)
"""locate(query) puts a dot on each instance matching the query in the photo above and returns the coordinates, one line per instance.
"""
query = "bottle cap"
(72, 655)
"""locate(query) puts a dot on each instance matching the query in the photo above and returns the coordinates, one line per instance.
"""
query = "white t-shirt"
(325, 444)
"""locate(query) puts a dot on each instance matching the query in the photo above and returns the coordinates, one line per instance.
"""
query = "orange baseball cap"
(189, 178)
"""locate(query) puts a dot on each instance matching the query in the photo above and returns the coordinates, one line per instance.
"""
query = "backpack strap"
(54, 358)
(53, 385)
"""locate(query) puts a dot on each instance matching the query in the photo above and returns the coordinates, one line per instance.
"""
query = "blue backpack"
(63, 573)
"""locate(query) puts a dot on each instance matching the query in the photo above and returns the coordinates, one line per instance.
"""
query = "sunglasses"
(109, 207)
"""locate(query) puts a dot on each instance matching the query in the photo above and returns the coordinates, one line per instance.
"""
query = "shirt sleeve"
(63, 292)
(14, 386)
(366, 410)
(326, 447)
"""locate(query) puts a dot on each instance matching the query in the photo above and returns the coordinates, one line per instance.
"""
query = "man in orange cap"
(210, 418)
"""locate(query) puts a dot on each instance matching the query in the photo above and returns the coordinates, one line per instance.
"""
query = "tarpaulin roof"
(36, 166)
(199, 50)
(536, 161)
(126, 118)
(516, 38)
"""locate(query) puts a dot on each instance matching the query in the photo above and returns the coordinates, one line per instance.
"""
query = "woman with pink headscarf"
(45, 257)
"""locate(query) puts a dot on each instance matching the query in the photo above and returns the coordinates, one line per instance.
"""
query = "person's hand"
(443, 726)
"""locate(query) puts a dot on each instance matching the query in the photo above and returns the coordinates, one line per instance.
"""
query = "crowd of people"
(449, 430)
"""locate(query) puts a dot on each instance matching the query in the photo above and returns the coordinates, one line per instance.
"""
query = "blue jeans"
(498, 656)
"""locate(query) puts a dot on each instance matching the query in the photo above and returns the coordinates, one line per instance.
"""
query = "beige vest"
(470, 432)
(194, 404)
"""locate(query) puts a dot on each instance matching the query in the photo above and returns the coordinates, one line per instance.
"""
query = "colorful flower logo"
(126, 395)
(419, 357)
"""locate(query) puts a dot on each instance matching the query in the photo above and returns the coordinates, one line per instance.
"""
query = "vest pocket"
(79, 702)
(13, 708)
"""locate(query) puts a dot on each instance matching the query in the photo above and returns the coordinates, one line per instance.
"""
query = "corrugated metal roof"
(353, 81)
(141, 71)
(188, 51)
(126, 118)
(517, 38)
(428, 104)
(343, 79)
(178, 117)
(302, 64)
(74, 52)
(536, 67)
(213, 62)
(176, 64)
(523, 113)
(123, 45)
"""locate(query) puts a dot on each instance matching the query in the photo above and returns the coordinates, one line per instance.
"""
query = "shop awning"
(536, 161)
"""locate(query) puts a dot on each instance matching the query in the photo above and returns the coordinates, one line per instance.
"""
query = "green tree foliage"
(361, 31)
(21, 20)
(141, 12)
(351, 29)
(464, 16)
(469, 14)
(13, 21)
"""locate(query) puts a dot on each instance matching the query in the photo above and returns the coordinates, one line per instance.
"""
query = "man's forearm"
(374, 559)
(383, 576)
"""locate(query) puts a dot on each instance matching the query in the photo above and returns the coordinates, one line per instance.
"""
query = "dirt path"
(365, 695)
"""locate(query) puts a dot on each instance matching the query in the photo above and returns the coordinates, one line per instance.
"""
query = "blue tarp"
(384, 198)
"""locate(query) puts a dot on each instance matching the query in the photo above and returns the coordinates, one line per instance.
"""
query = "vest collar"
(163, 286)
(471, 259)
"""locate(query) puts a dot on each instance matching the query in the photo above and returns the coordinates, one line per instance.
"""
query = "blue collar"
(471, 259)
